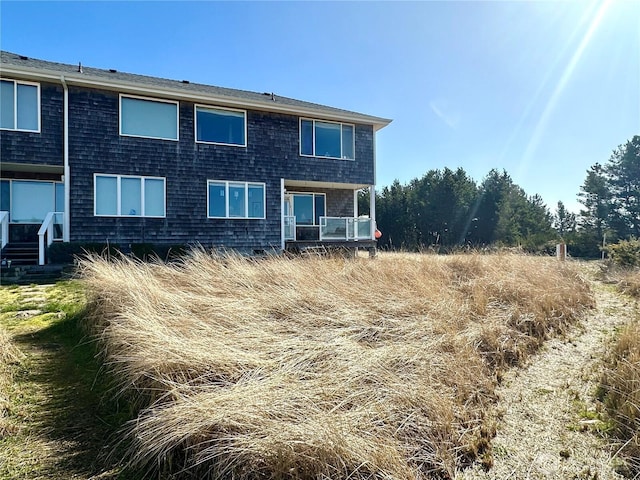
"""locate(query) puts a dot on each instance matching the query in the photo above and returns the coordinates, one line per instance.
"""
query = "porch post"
(355, 203)
(282, 244)
(372, 210)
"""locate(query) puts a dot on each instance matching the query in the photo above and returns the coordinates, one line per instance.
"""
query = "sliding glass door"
(29, 201)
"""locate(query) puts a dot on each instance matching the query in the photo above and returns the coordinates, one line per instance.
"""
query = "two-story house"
(93, 155)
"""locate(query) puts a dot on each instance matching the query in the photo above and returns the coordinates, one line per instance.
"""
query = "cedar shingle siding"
(44, 148)
(95, 146)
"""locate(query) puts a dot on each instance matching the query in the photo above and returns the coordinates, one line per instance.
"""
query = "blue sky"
(541, 89)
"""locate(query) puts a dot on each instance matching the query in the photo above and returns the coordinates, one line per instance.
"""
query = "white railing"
(289, 227)
(4, 228)
(345, 228)
(52, 228)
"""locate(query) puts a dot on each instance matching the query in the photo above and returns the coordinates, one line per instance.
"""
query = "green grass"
(62, 427)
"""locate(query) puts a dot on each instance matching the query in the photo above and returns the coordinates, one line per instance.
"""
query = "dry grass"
(630, 282)
(621, 388)
(321, 368)
(9, 355)
(621, 380)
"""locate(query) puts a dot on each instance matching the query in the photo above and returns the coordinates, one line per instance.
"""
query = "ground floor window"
(129, 196)
(29, 201)
(227, 199)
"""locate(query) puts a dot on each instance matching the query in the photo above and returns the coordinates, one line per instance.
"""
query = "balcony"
(345, 228)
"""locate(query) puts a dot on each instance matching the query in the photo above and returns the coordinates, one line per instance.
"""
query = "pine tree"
(564, 221)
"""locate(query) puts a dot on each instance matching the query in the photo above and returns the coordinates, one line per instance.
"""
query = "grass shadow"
(74, 410)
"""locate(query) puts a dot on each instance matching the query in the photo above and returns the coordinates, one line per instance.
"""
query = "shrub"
(625, 253)
(67, 252)
(148, 251)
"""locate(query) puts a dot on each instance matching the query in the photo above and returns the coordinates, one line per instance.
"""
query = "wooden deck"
(329, 246)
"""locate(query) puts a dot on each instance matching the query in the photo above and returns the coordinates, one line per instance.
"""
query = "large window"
(128, 196)
(29, 201)
(221, 125)
(235, 199)
(326, 139)
(19, 106)
(145, 117)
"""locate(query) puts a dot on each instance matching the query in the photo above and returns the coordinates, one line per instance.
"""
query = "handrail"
(4, 228)
(46, 229)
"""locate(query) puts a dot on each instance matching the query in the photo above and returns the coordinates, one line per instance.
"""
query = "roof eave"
(178, 94)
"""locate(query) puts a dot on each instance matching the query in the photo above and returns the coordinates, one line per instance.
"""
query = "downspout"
(65, 153)
(282, 242)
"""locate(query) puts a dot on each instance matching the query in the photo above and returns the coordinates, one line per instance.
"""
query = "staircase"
(20, 253)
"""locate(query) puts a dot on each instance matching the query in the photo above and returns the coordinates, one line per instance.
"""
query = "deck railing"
(345, 228)
(4, 229)
(52, 229)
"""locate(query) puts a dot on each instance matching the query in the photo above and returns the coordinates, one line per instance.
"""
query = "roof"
(31, 68)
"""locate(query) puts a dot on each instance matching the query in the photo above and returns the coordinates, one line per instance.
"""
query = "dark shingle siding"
(44, 148)
(272, 153)
(95, 146)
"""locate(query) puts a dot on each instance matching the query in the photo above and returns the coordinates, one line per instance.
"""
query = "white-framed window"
(319, 138)
(148, 117)
(226, 199)
(129, 196)
(29, 201)
(221, 126)
(19, 106)
(307, 207)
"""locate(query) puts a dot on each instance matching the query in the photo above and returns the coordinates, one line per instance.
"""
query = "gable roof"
(31, 68)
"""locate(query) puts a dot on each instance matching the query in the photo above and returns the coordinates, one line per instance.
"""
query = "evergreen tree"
(623, 171)
(595, 195)
(564, 221)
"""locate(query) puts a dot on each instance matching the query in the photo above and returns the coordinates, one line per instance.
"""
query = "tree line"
(447, 209)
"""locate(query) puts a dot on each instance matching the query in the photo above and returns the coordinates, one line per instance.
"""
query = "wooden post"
(561, 251)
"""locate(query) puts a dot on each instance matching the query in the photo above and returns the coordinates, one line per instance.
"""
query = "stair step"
(21, 253)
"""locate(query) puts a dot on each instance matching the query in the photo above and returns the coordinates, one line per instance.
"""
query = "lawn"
(56, 419)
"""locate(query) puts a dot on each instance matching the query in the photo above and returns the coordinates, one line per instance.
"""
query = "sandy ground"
(547, 417)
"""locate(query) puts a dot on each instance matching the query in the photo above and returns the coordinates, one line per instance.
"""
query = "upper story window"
(150, 118)
(19, 106)
(129, 196)
(221, 125)
(327, 139)
(235, 199)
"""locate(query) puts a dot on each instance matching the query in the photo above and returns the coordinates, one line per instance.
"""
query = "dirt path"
(547, 419)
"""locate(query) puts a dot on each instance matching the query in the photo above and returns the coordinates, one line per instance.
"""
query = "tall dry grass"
(620, 386)
(321, 367)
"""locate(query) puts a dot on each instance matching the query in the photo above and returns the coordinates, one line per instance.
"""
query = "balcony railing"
(52, 229)
(345, 228)
(4, 229)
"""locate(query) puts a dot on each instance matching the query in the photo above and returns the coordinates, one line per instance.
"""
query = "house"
(93, 155)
